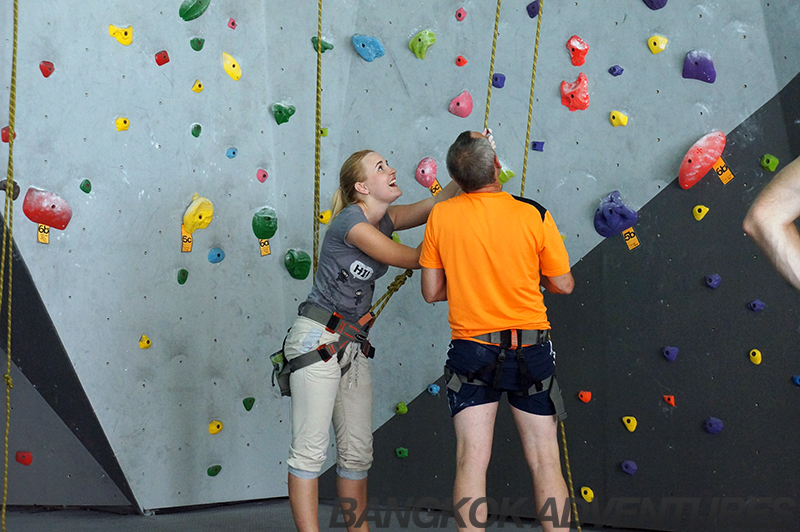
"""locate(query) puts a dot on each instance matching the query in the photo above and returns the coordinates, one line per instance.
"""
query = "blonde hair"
(352, 172)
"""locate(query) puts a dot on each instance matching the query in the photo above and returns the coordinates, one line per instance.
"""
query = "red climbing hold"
(426, 172)
(576, 95)
(47, 68)
(461, 105)
(24, 458)
(4, 134)
(461, 60)
(700, 158)
(162, 58)
(577, 48)
(670, 399)
(46, 208)
(585, 396)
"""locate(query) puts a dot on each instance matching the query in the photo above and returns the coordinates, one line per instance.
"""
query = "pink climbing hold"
(426, 172)
(261, 175)
(576, 95)
(461, 14)
(701, 158)
(577, 48)
(46, 208)
(461, 104)
(232, 24)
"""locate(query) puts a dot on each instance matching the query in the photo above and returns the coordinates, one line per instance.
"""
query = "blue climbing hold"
(433, 389)
(615, 70)
(670, 353)
(713, 425)
(612, 216)
(533, 9)
(231, 153)
(498, 81)
(796, 379)
(756, 305)
(216, 255)
(537, 145)
(655, 4)
(629, 466)
(698, 65)
(713, 280)
(369, 48)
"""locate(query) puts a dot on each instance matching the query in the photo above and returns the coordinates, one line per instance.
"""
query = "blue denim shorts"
(467, 357)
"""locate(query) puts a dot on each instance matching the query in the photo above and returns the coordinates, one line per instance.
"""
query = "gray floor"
(272, 515)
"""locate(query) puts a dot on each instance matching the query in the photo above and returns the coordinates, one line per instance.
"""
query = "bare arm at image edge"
(561, 284)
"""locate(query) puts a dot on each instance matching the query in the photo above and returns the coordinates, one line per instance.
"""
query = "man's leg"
(540, 443)
(474, 432)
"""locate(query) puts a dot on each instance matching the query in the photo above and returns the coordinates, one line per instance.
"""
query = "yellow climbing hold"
(618, 119)
(199, 214)
(755, 356)
(699, 212)
(123, 35)
(215, 427)
(198, 86)
(630, 423)
(587, 494)
(325, 217)
(144, 342)
(231, 66)
(657, 43)
(122, 123)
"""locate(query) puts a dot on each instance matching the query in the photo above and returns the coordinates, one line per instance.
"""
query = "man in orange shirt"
(487, 253)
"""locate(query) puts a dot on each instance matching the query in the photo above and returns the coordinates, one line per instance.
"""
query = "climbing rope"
(530, 101)
(491, 65)
(566, 456)
(392, 288)
(7, 251)
(317, 137)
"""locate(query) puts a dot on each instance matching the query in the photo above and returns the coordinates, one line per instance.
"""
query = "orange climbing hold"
(670, 399)
(585, 396)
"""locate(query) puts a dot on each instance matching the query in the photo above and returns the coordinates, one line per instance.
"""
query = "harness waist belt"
(523, 337)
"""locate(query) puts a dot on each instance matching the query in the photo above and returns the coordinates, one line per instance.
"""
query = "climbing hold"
(24, 458)
(796, 379)
(426, 172)
(756, 305)
(230, 153)
(461, 61)
(461, 105)
(461, 14)
(197, 44)
(162, 58)
(433, 389)
(587, 493)
(86, 186)
(629, 466)
(46, 208)
(298, 263)
(585, 396)
(231, 24)
(191, 9)
(618, 119)
(616, 70)
(46, 68)
(498, 81)
(216, 255)
(533, 8)
(670, 353)
(261, 175)
(198, 86)
(325, 45)
(577, 49)
(755, 356)
(124, 36)
(231, 66)
(183, 274)
(576, 95)
(699, 212)
(657, 44)
(669, 399)
(613, 216)
(325, 217)
(4, 134)
(655, 4)
(713, 280)
(215, 427)
(505, 175)
(199, 214)
(248, 403)
(214, 470)
(265, 223)
(369, 48)
(122, 123)
(420, 43)
(630, 423)
(323, 132)
(144, 342)
(15, 193)
(701, 158)
(396, 237)
(401, 408)
(537, 145)
(196, 130)
(282, 112)
(713, 425)
(698, 65)
(401, 452)
(769, 162)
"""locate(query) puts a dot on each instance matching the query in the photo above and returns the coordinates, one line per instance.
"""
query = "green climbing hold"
(197, 44)
(182, 276)
(248, 403)
(265, 223)
(191, 9)
(396, 237)
(298, 263)
(86, 186)
(282, 112)
(196, 130)
(420, 43)
(401, 408)
(769, 162)
(505, 175)
(401, 452)
(214, 470)
(325, 45)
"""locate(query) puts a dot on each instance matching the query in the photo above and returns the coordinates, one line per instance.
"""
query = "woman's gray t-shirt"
(345, 278)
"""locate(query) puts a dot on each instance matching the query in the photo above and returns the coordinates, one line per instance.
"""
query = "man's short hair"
(470, 162)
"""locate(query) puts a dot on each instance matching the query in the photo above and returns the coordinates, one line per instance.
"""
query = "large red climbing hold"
(700, 158)
(24, 458)
(576, 95)
(577, 49)
(43, 207)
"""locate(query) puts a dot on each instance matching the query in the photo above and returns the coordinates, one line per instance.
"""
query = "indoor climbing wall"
(155, 358)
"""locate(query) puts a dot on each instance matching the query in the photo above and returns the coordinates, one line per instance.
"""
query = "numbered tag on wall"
(43, 235)
(186, 240)
(630, 238)
(723, 172)
(263, 243)
(435, 188)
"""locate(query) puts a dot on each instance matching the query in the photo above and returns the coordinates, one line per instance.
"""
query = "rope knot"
(9, 381)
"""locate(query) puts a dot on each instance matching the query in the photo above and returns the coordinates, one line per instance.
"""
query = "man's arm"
(770, 222)
(434, 285)
(562, 284)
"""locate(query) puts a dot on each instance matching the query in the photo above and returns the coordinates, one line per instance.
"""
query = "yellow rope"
(7, 251)
(566, 456)
(530, 102)
(317, 137)
(491, 65)
(392, 288)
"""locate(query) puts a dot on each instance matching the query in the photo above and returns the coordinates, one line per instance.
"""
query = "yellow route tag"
(722, 170)
(186, 240)
(630, 238)
(435, 188)
(264, 245)
(43, 235)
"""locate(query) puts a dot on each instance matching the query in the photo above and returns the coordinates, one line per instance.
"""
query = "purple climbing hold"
(533, 9)
(655, 4)
(670, 353)
(498, 81)
(612, 216)
(537, 145)
(713, 425)
(629, 466)
(713, 280)
(615, 70)
(698, 65)
(756, 305)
